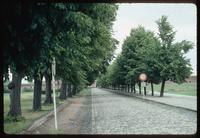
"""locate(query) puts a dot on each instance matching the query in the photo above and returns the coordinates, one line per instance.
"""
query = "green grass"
(29, 116)
(53, 131)
(85, 92)
(182, 89)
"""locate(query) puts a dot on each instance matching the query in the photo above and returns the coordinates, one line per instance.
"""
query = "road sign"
(143, 77)
(54, 95)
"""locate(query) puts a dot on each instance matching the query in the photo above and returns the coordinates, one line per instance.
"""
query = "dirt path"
(74, 119)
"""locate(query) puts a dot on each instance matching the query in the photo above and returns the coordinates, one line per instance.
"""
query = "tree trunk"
(152, 91)
(139, 87)
(131, 88)
(63, 90)
(134, 88)
(128, 88)
(15, 96)
(37, 93)
(145, 92)
(48, 99)
(69, 90)
(58, 85)
(74, 90)
(162, 88)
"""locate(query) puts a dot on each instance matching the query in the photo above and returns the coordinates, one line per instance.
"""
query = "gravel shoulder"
(74, 119)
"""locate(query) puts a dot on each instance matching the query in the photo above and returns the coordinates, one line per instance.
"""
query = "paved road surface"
(109, 113)
(117, 114)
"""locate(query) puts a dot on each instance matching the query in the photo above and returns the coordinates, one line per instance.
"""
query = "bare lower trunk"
(145, 92)
(152, 91)
(69, 90)
(15, 96)
(74, 90)
(63, 91)
(162, 88)
(131, 88)
(134, 88)
(128, 88)
(139, 87)
(37, 93)
(48, 99)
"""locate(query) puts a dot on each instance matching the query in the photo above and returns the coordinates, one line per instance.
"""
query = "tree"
(135, 49)
(69, 32)
(146, 58)
(171, 62)
(89, 44)
(159, 58)
(19, 43)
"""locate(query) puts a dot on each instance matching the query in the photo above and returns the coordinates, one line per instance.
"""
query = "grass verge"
(189, 89)
(85, 92)
(29, 116)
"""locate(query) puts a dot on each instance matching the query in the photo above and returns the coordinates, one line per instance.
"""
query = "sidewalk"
(183, 101)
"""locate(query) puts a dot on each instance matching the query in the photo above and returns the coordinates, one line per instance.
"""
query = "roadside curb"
(129, 94)
(45, 118)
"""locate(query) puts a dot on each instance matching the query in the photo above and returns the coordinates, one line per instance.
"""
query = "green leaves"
(166, 33)
(77, 35)
(142, 51)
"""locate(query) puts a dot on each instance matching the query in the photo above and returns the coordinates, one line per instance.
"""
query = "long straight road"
(108, 113)
(117, 114)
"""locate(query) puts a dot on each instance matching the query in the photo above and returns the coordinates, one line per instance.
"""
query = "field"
(182, 89)
(27, 113)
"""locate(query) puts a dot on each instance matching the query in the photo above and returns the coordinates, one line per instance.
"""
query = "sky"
(181, 16)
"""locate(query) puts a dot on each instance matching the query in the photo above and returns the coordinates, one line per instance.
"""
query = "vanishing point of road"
(105, 112)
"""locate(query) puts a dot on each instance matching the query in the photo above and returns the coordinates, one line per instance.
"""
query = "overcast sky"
(181, 16)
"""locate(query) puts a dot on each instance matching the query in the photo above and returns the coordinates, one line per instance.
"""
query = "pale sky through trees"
(181, 16)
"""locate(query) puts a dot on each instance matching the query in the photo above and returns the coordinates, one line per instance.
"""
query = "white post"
(54, 95)
(142, 90)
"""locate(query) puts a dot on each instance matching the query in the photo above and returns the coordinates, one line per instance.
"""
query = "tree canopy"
(157, 56)
(78, 35)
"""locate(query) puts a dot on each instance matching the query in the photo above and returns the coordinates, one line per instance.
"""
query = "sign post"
(54, 95)
(143, 78)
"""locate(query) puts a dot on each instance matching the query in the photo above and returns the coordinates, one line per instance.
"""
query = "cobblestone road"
(109, 113)
(117, 114)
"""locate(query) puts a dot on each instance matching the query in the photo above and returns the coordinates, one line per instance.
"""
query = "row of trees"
(77, 35)
(143, 52)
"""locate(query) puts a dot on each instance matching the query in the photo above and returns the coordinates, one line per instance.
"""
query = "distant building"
(192, 79)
